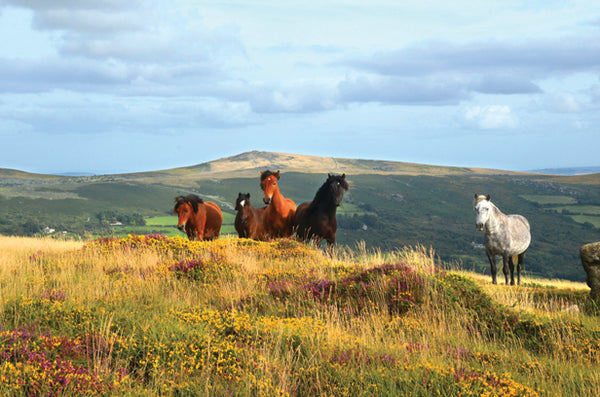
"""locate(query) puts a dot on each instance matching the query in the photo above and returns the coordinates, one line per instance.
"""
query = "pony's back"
(214, 220)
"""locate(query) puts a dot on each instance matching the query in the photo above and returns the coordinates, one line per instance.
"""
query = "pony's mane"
(267, 174)
(323, 194)
(192, 199)
(481, 197)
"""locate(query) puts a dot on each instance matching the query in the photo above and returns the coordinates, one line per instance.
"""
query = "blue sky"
(110, 86)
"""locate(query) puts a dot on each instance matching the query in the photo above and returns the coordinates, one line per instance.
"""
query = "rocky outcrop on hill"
(590, 258)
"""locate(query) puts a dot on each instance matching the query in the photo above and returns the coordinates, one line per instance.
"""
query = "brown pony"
(249, 219)
(280, 212)
(201, 220)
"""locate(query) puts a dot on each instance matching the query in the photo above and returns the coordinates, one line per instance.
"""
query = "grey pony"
(505, 235)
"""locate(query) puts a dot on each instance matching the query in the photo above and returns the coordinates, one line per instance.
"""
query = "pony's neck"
(277, 198)
(493, 220)
(326, 205)
(324, 200)
(248, 212)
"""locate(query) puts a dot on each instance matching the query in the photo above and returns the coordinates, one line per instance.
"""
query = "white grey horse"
(505, 235)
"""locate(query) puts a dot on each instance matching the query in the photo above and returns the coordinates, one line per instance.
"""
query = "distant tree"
(31, 227)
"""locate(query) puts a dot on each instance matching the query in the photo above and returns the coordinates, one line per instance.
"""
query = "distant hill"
(569, 171)
(389, 204)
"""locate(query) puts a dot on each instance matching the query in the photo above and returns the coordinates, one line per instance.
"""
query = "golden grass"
(523, 297)
(139, 302)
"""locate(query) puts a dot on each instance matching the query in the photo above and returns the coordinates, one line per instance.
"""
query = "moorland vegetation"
(155, 315)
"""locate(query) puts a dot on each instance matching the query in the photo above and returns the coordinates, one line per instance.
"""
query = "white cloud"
(152, 67)
(491, 117)
(564, 102)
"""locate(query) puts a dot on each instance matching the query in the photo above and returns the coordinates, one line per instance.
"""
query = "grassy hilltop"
(164, 316)
(389, 205)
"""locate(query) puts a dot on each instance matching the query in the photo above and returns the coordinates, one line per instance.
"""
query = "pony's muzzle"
(181, 227)
(267, 200)
(479, 226)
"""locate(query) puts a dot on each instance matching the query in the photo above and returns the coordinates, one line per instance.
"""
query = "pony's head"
(483, 206)
(337, 185)
(268, 183)
(242, 201)
(185, 207)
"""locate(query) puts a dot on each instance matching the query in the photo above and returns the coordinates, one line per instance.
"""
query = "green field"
(594, 220)
(162, 221)
(577, 209)
(167, 225)
(549, 200)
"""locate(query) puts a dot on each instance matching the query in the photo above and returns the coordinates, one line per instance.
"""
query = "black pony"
(240, 222)
(316, 219)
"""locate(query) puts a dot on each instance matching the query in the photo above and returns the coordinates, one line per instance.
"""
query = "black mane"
(192, 199)
(325, 196)
(265, 175)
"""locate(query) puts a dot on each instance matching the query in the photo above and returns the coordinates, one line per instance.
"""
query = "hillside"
(147, 316)
(390, 204)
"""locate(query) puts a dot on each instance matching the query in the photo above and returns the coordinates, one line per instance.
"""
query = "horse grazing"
(316, 219)
(249, 219)
(280, 211)
(505, 235)
(200, 220)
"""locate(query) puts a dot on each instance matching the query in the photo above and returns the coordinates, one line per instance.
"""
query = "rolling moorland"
(390, 205)
(154, 315)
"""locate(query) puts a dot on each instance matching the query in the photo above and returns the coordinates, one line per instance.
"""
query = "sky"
(112, 86)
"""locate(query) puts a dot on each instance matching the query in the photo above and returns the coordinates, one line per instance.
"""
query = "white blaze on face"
(242, 203)
(482, 213)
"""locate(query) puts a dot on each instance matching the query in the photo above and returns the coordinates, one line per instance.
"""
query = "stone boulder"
(590, 258)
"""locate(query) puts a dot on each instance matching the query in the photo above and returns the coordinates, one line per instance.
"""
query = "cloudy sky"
(110, 86)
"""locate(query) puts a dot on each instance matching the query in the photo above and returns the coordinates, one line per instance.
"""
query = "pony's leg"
(520, 260)
(507, 264)
(201, 229)
(492, 259)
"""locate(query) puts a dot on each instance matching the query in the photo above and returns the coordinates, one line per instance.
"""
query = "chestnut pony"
(249, 219)
(316, 220)
(280, 212)
(201, 220)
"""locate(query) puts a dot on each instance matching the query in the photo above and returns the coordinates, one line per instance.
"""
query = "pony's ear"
(344, 175)
(329, 176)
(476, 195)
(488, 197)
(277, 174)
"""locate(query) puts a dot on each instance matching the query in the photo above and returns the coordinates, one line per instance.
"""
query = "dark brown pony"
(249, 219)
(316, 220)
(200, 220)
(280, 212)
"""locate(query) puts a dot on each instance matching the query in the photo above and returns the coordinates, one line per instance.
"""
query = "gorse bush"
(152, 315)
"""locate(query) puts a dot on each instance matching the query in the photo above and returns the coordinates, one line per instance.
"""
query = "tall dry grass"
(163, 316)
